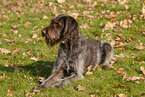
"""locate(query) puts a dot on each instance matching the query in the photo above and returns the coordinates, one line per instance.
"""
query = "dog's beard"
(51, 42)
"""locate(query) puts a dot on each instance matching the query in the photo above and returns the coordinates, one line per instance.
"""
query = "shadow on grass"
(39, 68)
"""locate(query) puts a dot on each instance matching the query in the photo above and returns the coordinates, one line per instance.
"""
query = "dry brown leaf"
(122, 95)
(89, 70)
(41, 79)
(33, 58)
(60, 1)
(13, 89)
(34, 36)
(126, 6)
(117, 29)
(99, 68)
(6, 65)
(122, 1)
(137, 82)
(121, 55)
(124, 76)
(3, 50)
(9, 40)
(85, 26)
(120, 70)
(45, 17)
(79, 88)
(36, 90)
(124, 24)
(15, 26)
(27, 24)
(143, 10)
(140, 47)
(28, 40)
(14, 31)
(93, 95)
(134, 78)
(75, 15)
(109, 25)
(9, 94)
(142, 69)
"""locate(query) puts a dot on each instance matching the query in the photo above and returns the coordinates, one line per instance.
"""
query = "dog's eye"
(57, 24)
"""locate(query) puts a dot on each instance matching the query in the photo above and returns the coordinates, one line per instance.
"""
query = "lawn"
(25, 59)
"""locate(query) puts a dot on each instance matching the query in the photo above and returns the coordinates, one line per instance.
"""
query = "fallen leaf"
(14, 31)
(109, 25)
(143, 10)
(137, 82)
(117, 29)
(126, 6)
(122, 95)
(124, 24)
(27, 24)
(28, 40)
(13, 89)
(34, 36)
(142, 69)
(6, 65)
(9, 40)
(140, 47)
(45, 17)
(122, 1)
(36, 90)
(85, 26)
(120, 86)
(41, 79)
(93, 95)
(79, 88)
(124, 76)
(19, 35)
(9, 94)
(89, 70)
(99, 68)
(3, 50)
(120, 70)
(60, 1)
(75, 15)
(33, 58)
(134, 78)
(15, 26)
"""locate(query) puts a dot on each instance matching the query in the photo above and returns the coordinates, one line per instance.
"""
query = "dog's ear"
(71, 27)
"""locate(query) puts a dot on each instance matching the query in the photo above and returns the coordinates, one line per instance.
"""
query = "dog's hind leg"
(107, 53)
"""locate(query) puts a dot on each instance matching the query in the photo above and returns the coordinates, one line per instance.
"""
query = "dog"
(76, 53)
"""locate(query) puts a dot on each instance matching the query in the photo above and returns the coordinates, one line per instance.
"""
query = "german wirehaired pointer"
(76, 53)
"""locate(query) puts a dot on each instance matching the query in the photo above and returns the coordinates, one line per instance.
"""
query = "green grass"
(19, 74)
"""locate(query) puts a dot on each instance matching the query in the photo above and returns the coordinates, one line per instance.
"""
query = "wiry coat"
(75, 54)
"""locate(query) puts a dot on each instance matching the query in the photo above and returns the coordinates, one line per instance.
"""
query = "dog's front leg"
(53, 78)
(67, 80)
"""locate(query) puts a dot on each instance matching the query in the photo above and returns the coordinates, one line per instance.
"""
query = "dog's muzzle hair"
(76, 53)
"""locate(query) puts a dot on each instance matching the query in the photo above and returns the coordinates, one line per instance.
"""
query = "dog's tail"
(107, 53)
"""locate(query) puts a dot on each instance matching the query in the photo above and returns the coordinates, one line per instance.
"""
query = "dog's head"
(61, 28)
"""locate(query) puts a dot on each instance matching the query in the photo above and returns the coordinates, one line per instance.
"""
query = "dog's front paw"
(40, 87)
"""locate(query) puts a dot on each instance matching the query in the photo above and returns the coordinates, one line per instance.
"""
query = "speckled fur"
(75, 54)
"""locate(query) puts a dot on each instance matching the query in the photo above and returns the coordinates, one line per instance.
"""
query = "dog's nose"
(43, 32)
